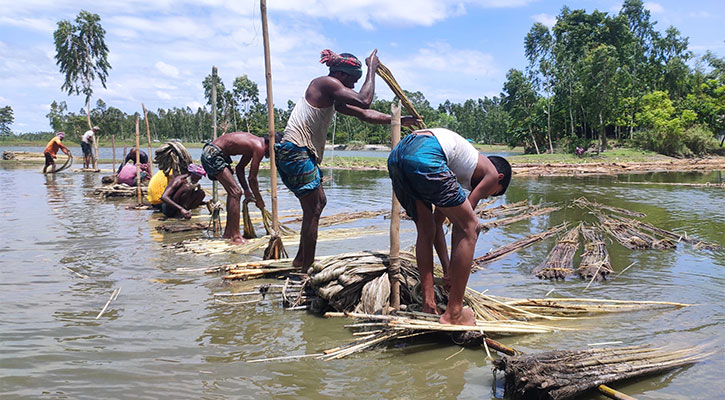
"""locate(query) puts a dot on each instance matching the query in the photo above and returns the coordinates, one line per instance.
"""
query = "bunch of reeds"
(177, 227)
(699, 244)
(510, 220)
(502, 251)
(267, 221)
(503, 209)
(117, 190)
(173, 158)
(566, 374)
(594, 263)
(560, 262)
(630, 237)
(583, 202)
(387, 76)
(343, 217)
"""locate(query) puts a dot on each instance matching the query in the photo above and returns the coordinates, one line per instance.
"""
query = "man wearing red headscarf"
(55, 144)
(300, 153)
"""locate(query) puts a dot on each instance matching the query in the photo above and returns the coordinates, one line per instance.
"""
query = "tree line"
(591, 78)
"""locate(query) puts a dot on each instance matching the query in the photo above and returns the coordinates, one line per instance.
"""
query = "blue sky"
(161, 50)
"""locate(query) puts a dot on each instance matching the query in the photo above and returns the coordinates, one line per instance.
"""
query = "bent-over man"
(55, 144)
(216, 157)
(300, 153)
(432, 167)
(183, 193)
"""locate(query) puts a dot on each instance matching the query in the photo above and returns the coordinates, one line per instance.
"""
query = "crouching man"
(432, 167)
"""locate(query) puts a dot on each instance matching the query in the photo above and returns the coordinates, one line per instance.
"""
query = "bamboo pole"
(394, 269)
(603, 389)
(215, 217)
(270, 117)
(113, 166)
(138, 170)
(148, 138)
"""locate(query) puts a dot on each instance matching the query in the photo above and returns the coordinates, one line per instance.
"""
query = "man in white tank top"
(303, 144)
(432, 167)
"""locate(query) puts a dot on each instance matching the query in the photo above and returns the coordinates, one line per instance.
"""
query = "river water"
(165, 336)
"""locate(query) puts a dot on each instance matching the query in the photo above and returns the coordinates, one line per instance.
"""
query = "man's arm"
(64, 148)
(239, 170)
(372, 116)
(253, 181)
(439, 242)
(487, 186)
(169, 192)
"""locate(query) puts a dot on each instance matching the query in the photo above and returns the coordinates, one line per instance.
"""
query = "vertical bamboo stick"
(113, 166)
(394, 272)
(270, 116)
(148, 138)
(215, 217)
(138, 161)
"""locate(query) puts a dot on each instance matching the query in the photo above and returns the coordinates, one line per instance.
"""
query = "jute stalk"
(138, 162)
(394, 269)
(148, 137)
(276, 249)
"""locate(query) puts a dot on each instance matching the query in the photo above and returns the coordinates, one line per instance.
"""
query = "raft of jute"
(559, 375)
(503, 209)
(485, 226)
(583, 202)
(630, 237)
(594, 263)
(117, 190)
(559, 263)
(699, 244)
(341, 218)
(502, 251)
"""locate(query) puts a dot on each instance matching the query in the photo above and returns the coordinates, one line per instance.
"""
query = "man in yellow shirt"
(157, 185)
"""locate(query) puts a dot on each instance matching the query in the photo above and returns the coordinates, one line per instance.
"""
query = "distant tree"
(539, 48)
(246, 95)
(82, 55)
(6, 119)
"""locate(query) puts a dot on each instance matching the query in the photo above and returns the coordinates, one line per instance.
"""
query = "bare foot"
(465, 317)
(237, 240)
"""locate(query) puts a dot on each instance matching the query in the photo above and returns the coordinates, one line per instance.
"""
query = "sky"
(161, 50)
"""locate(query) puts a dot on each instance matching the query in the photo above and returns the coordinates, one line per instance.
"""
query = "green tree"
(539, 49)
(246, 95)
(82, 54)
(600, 87)
(6, 119)
(519, 98)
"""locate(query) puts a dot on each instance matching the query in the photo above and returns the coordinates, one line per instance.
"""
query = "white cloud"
(546, 19)
(166, 69)
(163, 95)
(655, 8)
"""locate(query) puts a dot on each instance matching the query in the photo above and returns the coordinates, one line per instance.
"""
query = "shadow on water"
(64, 252)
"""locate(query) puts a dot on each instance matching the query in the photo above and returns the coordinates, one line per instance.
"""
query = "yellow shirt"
(157, 185)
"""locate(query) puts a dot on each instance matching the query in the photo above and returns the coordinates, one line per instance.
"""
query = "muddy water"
(165, 336)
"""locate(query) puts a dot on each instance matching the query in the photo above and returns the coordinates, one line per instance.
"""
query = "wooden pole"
(138, 170)
(113, 166)
(215, 217)
(270, 116)
(394, 255)
(148, 138)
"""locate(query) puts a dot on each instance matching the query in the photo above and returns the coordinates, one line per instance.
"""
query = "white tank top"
(461, 156)
(307, 127)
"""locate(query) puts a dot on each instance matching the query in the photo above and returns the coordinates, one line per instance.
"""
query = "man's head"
(61, 135)
(277, 139)
(504, 168)
(196, 172)
(95, 129)
(345, 67)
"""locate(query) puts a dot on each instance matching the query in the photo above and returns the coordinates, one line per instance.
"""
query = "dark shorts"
(86, 149)
(214, 161)
(169, 211)
(417, 166)
(48, 159)
(298, 168)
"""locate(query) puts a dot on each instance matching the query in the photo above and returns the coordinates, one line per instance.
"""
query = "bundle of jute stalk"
(560, 262)
(630, 237)
(594, 262)
(387, 76)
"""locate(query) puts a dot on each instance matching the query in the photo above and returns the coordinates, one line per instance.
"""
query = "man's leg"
(425, 226)
(463, 243)
(196, 197)
(52, 162)
(234, 194)
(312, 205)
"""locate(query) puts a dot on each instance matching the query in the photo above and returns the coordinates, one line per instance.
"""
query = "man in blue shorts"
(87, 146)
(300, 153)
(432, 167)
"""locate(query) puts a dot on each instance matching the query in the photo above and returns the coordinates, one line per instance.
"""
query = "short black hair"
(503, 167)
(277, 138)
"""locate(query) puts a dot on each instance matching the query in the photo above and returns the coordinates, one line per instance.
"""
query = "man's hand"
(372, 60)
(248, 196)
(409, 120)
(260, 204)
(185, 213)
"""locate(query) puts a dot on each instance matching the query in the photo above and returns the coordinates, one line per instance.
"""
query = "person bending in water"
(51, 150)
(143, 158)
(300, 153)
(432, 167)
(216, 157)
(182, 195)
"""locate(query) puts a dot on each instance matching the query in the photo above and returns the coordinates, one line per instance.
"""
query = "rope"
(66, 165)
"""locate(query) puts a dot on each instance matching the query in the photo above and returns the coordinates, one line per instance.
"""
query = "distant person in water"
(127, 174)
(299, 155)
(87, 145)
(432, 167)
(183, 193)
(51, 150)
(216, 157)
(131, 156)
